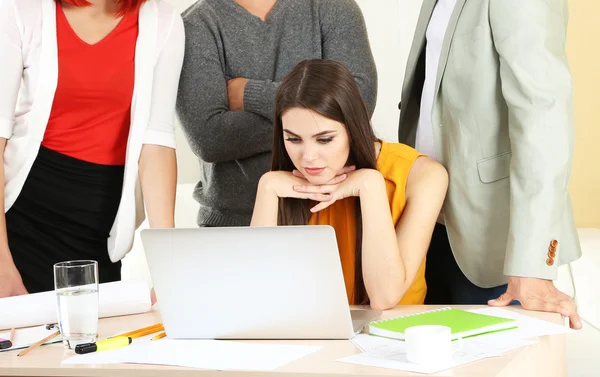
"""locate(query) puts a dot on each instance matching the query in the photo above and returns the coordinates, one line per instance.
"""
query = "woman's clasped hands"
(346, 183)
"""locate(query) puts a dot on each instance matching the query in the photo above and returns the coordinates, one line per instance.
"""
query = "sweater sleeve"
(214, 133)
(259, 97)
(345, 40)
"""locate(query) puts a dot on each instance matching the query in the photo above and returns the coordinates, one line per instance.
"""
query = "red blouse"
(91, 112)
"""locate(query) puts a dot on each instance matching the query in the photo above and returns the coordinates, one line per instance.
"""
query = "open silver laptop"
(251, 283)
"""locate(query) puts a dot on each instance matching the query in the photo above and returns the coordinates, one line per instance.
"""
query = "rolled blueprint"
(115, 299)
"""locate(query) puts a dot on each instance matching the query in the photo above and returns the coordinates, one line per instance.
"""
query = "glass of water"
(76, 286)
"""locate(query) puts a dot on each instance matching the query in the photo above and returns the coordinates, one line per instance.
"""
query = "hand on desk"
(541, 295)
(11, 283)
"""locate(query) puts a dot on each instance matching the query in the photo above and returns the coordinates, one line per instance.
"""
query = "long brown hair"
(329, 89)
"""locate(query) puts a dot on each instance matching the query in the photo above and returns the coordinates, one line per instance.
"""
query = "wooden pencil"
(12, 336)
(153, 327)
(159, 336)
(37, 344)
(147, 332)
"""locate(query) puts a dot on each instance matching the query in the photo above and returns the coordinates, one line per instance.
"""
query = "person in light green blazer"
(488, 93)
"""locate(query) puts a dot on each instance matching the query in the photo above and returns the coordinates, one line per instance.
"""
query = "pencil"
(37, 344)
(12, 336)
(157, 327)
(159, 336)
(147, 332)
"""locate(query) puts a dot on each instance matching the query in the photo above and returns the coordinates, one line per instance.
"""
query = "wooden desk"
(545, 358)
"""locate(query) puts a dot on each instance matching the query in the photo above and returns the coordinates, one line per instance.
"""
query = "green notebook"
(462, 323)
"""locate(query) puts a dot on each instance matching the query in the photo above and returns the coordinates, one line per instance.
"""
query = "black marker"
(5, 343)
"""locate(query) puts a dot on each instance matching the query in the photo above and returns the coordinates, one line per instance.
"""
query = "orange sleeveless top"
(394, 163)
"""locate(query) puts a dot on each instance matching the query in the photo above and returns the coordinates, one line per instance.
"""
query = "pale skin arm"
(10, 279)
(158, 178)
(392, 256)
(280, 184)
(266, 204)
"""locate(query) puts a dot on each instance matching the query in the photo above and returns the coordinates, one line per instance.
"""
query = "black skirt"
(64, 212)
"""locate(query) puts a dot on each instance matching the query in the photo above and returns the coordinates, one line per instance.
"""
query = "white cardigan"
(28, 77)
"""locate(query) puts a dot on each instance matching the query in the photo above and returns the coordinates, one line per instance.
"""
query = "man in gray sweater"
(237, 52)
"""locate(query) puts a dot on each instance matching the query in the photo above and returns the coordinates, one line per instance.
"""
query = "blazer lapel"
(446, 45)
(46, 87)
(418, 43)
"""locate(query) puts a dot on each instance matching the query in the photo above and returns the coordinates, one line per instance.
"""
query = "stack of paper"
(527, 327)
(391, 354)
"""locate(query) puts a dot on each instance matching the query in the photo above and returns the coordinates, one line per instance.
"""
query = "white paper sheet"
(391, 353)
(367, 343)
(394, 358)
(528, 327)
(488, 347)
(475, 346)
(116, 298)
(205, 354)
(26, 337)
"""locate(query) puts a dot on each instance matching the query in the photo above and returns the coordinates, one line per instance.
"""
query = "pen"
(103, 345)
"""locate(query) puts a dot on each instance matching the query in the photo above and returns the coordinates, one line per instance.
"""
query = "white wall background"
(390, 24)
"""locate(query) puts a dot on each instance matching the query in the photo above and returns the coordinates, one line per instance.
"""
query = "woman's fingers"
(321, 206)
(315, 197)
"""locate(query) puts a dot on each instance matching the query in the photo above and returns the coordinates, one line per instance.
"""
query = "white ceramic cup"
(430, 344)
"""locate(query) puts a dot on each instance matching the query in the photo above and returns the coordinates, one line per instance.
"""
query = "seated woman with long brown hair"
(328, 168)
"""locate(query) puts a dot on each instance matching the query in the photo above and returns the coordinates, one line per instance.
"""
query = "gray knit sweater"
(224, 41)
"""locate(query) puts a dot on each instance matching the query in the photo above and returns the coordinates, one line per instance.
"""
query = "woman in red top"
(68, 205)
